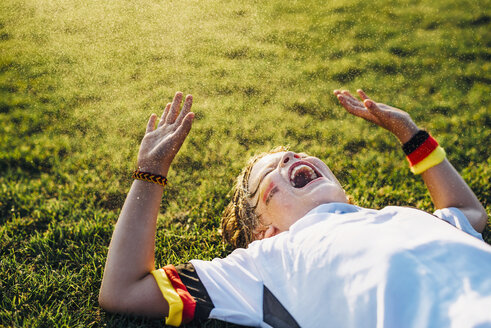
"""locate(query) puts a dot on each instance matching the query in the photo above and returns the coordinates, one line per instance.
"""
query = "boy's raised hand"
(161, 144)
(390, 118)
(446, 186)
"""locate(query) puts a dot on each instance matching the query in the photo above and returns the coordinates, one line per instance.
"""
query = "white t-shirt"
(346, 266)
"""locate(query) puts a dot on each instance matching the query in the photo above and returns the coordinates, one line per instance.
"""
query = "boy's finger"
(345, 101)
(151, 123)
(371, 106)
(174, 108)
(185, 109)
(183, 129)
(164, 114)
(362, 94)
(349, 100)
(355, 110)
(348, 94)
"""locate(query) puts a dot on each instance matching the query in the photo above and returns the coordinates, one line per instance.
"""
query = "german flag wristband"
(145, 176)
(434, 158)
(423, 152)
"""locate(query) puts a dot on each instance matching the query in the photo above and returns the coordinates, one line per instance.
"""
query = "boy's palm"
(161, 144)
(390, 118)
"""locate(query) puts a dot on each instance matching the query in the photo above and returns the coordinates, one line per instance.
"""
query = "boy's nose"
(289, 155)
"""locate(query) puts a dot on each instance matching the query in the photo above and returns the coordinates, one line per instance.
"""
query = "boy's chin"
(325, 193)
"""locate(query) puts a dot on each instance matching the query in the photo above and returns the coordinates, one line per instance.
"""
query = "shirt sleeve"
(228, 289)
(234, 286)
(455, 217)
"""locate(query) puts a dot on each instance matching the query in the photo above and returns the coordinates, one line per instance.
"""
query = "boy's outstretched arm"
(127, 285)
(446, 186)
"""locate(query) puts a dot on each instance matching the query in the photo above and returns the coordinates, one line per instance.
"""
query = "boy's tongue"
(302, 175)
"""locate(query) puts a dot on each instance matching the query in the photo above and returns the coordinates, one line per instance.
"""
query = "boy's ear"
(271, 231)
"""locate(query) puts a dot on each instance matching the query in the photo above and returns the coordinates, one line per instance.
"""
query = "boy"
(312, 259)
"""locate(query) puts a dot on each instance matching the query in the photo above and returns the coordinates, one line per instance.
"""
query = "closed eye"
(259, 184)
(266, 174)
(269, 170)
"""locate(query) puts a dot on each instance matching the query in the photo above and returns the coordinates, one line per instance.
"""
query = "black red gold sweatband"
(145, 176)
(423, 152)
(434, 158)
(417, 140)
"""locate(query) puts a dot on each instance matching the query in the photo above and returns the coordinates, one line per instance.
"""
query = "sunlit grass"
(78, 81)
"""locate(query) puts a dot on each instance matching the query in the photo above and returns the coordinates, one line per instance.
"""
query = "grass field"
(79, 79)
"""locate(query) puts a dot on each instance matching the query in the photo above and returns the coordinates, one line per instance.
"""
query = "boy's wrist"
(153, 169)
(405, 133)
(150, 177)
(148, 187)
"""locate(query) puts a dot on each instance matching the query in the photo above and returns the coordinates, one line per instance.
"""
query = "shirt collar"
(329, 208)
(335, 208)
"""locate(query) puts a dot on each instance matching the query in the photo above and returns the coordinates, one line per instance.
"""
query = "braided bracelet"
(423, 152)
(145, 176)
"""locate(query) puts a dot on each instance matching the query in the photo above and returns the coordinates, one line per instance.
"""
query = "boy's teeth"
(305, 175)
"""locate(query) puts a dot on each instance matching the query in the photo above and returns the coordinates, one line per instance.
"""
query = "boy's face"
(286, 186)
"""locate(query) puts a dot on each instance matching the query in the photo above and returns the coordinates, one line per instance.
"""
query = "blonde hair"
(239, 220)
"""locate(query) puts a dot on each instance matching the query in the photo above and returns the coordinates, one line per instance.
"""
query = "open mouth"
(301, 173)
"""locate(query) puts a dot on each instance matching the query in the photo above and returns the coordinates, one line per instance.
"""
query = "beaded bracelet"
(145, 176)
(423, 152)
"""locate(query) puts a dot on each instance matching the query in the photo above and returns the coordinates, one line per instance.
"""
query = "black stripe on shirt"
(274, 313)
(195, 287)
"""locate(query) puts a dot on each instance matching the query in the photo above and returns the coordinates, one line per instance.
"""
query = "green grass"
(79, 79)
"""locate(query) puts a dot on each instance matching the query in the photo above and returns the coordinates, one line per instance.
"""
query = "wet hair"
(240, 223)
